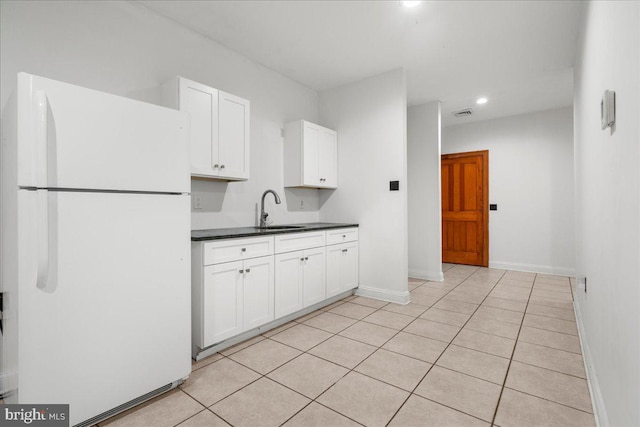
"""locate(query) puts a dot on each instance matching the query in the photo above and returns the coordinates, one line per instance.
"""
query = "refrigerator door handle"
(42, 133)
(43, 239)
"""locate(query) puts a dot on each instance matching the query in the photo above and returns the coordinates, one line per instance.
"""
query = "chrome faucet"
(263, 214)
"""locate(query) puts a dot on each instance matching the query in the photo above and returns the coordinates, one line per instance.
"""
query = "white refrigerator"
(95, 249)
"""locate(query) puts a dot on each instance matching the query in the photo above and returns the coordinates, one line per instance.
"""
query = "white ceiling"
(519, 54)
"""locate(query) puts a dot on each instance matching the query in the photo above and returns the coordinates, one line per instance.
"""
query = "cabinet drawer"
(297, 241)
(342, 235)
(237, 249)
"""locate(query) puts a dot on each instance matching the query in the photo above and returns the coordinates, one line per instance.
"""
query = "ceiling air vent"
(463, 113)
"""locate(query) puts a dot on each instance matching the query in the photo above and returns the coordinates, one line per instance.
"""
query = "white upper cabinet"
(310, 156)
(220, 122)
(233, 136)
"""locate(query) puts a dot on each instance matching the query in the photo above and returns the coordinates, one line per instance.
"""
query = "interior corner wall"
(531, 181)
(608, 209)
(370, 118)
(424, 199)
(125, 49)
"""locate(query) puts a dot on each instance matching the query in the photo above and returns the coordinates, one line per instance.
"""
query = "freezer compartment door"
(109, 320)
(72, 137)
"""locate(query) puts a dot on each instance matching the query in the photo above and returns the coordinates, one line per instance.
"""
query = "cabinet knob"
(221, 166)
(248, 270)
(344, 236)
(243, 250)
(241, 271)
(216, 166)
(344, 250)
(302, 259)
(306, 258)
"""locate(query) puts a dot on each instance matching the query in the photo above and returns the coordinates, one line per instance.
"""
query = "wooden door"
(465, 208)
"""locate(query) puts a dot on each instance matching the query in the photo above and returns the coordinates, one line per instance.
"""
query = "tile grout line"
(445, 349)
(495, 414)
(279, 366)
(549, 400)
(380, 347)
(376, 309)
(306, 352)
(349, 370)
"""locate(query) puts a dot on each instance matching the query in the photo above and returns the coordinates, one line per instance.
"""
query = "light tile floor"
(484, 347)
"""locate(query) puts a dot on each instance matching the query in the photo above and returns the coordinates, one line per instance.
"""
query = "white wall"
(125, 49)
(531, 180)
(370, 117)
(608, 209)
(424, 199)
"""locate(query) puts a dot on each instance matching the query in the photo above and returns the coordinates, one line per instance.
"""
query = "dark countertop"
(232, 233)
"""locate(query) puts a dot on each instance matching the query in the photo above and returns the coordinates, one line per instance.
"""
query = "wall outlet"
(197, 202)
(582, 283)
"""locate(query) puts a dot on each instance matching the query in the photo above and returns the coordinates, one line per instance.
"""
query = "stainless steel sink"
(279, 227)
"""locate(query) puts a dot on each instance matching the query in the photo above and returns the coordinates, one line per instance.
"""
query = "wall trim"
(384, 294)
(599, 408)
(545, 269)
(434, 276)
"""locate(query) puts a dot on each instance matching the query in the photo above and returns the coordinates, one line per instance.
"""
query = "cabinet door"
(310, 143)
(328, 158)
(233, 140)
(288, 286)
(201, 102)
(314, 283)
(349, 266)
(222, 302)
(258, 292)
(334, 279)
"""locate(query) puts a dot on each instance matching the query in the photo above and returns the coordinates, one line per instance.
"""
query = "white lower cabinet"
(237, 297)
(288, 282)
(342, 268)
(222, 302)
(239, 284)
(258, 292)
(314, 288)
(300, 280)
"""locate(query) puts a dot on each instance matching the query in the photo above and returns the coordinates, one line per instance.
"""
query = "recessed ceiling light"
(411, 3)
(482, 100)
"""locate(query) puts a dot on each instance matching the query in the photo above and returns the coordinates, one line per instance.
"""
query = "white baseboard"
(545, 269)
(434, 276)
(384, 294)
(599, 409)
